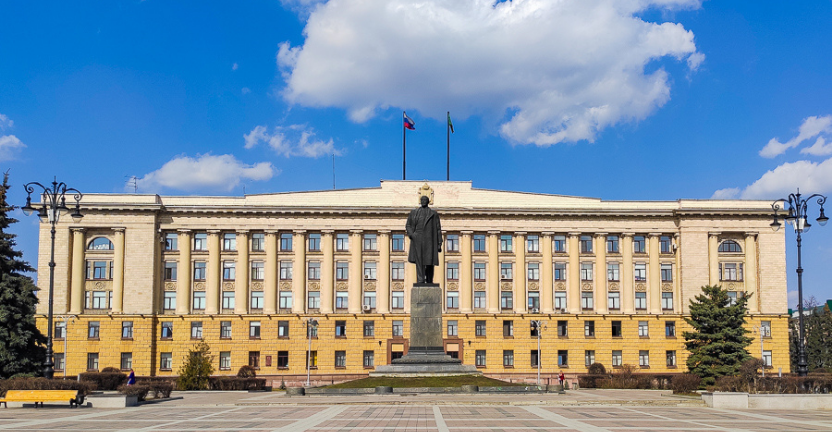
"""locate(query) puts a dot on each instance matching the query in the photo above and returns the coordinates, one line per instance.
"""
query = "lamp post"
(310, 324)
(760, 332)
(538, 325)
(796, 205)
(52, 207)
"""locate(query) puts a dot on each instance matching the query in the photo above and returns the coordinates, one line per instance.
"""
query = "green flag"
(450, 125)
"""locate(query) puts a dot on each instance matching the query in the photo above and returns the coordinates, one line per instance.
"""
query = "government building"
(272, 280)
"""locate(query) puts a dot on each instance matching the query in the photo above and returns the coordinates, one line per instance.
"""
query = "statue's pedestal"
(426, 354)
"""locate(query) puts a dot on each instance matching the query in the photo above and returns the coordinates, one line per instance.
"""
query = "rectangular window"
(398, 328)
(342, 242)
(257, 300)
(397, 300)
(225, 329)
(671, 358)
(229, 242)
(589, 357)
(479, 300)
(562, 329)
(229, 272)
(667, 272)
(199, 270)
(586, 300)
(369, 328)
(199, 300)
(534, 301)
(369, 270)
(285, 300)
(258, 270)
(171, 241)
(643, 329)
(254, 359)
(534, 356)
(398, 243)
(93, 329)
(644, 358)
(560, 271)
(60, 330)
(453, 328)
(258, 242)
(730, 271)
(670, 328)
(586, 244)
(92, 361)
(311, 330)
(314, 270)
(638, 244)
(613, 300)
(640, 272)
(506, 300)
(479, 272)
(99, 299)
(533, 244)
(667, 301)
(508, 358)
(170, 300)
(479, 328)
(505, 271)
(283, 359)
(613, 272)
(560, 301)
(369, 359)
(508, 328)
(586, 271)
(617, 358)
(533, 271)
(200, 242)
(452, 243)
(340, 329)
(452, 272)
(60, 361)
(563, 358)
(589, 328)
(370, 242)
(732, 298)
(479, 243)
(196, 330)
(767, 358)
(170, 270)
(228, 299)
(612, 244)
(765, 328)
(342, 270)
(225, 360)
(370, 299)
(397, 270)
(506, 243)
(165, 361)
(452, 300)
(312, 360)
(285, 270)
(559, 243)
(286, 242)
(167, 329)
(616, 328)
(313, 300)
(480, 358)
(283, 329)
(641, 301)
(127, 329)
(314, 241)
(98, 270)
(665, 245)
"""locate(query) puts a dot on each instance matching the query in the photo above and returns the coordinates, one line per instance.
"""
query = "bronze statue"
(425, 235)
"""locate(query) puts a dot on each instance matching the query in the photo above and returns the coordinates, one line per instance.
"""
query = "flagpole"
(448, 160)
(404, 148)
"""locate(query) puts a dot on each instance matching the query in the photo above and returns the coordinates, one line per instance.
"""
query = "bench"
(41, 396)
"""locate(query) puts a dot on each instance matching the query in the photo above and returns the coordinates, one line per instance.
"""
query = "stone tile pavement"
(595, 410)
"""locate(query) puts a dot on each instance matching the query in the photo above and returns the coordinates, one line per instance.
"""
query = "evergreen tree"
(22, 348)
(819, 338)
(718, 343)
(194, 373)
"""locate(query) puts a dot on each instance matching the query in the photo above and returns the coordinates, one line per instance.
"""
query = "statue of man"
(425, 235)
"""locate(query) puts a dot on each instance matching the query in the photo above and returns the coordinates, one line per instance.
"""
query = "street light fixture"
(797, 217)
(53, 206)
(310, 324)
(538, 325)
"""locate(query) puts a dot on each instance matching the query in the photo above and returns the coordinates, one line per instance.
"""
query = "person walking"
(561, 378)
(131, 379)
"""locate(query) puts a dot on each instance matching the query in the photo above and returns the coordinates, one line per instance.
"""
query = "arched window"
(100, 243)
(730, 246)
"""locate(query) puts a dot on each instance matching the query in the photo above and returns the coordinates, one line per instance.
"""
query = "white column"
(118, 271)
(520, 302)
(465, 268)
(299, 272)
(241, 281)
(546, 275)
(270, 276)
(212, 279)
(573, 297)
(78, 279)
(601, 273)
(383, 280)
(185, 272)
(356, 281)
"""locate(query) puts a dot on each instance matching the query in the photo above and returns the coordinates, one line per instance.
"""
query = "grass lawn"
(443, 381)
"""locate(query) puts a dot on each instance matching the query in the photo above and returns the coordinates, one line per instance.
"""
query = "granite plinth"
(424, 369)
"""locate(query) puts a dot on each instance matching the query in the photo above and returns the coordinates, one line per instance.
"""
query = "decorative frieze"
(586, 287)
(228, 286)
(666, 287)
(613, 286)
(641, 287)
(341, 286)
(369, 286)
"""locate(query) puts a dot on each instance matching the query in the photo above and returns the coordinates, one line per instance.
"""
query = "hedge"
(104, 380)
(236, 383)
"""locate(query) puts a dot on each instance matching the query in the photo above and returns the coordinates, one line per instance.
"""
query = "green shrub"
(104, 380)
(110, 369)
(135, 390)
(685, 383)
(160, 387)
(84, 388)
(194, 373)
(247, 372)
(592, 381)
(237, 383)
(596, 369)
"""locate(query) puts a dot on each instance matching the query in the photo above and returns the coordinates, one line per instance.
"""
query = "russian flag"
(408, 122)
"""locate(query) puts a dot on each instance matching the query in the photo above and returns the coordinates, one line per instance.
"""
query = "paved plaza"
(586, 410)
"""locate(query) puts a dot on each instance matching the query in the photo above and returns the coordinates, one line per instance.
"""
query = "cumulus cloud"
(786, 178)
(246, 90)
(819, 148)
(726, 194)
(811, 127)
(548, 71)
(5, 122)
(292, 140)
(204, 172)
(10, 145)
(234, 66)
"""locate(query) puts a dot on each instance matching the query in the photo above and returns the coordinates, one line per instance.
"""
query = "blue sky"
(624, 99)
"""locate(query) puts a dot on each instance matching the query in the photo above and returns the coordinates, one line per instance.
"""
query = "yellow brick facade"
(508, 245)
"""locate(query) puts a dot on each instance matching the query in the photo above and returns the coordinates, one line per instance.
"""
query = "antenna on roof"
(333, 170)
(134, 181)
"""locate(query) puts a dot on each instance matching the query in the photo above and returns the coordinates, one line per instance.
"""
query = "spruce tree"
(194, 373)
(22, 348)
(718, 343)
(819, 338)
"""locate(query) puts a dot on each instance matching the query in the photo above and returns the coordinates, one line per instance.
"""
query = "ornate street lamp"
(53, 206)
(796, 207)
(538, 326)
(311, 323)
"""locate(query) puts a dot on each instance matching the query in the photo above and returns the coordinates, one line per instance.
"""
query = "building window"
(562, 329)
(370, 299)
(342, 242)
(589, 328)
(340, 359)
(643, 329)
(199, 270)
(641, 301)
(534, 301)
(533, 271)
(314, 241)
(286, 242)
(312, 331)
(92, 361)
(586, 244)
(398, 328)
(97, 299)
(225, 360)
(93, 330)
(228, 299)
(229, 242)
(452, 272)
(254, 330)
(453, 328)
(369, 270)
(505, 271)
(312, 360)
(165, 361)
(97, 270)
(671, 358)
(612, 244)
(369, 359)
(254, 359)
(767, 358)
(167, 329)
(640, 272)
(285, 270)
(397, 271)
(586, 300)
(765, 328)
(369, 328)
(200, 242)
(480, 358)
(730, 271)
(508, 358)
(196, 330)
(560, 271)
(534, 330)
(452, 243)
(616, 358)
(665, 245)
(258, 242)
(479, 272)
(732, 298)
(397, 300)
(283, 329)
(644, 358)
(613, 272)
(170, 301)
(729, 246)
(398, 243)
(60, 361)
(563, 358)
(340, 329)
(370, 243)
(229, 272)
(508, 328)
(60, 330)
(479, 243)
(586, 271)
(126, 361)
(452, 300)
(283, 359)
(560, 300)
(285, 300)
(170, 270)
(616, 328)
(127, 329)
(314, 270)
(479, 300)
(667, 272)
(670, 328)
(559, 243)
(667, 301)
(638, 244)
(533, 244)
(479, 328)
(313, 300)
(258, 270)
(225, 329)
(589, 357)
(342, 300)
(342, 270)
(171, 241)
(613, 300)
(199, 300)
(506, 300)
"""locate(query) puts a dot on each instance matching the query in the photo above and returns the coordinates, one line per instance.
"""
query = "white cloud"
(550, 71)
(786, 178)
(205, 172)
(5, 123)
(10, 145)
(234, 66)
(811, 127)
(819, 148)
(726, 194)
(246, 90)
(292, 140)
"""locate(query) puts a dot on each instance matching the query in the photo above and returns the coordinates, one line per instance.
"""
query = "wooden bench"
(41, 396)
